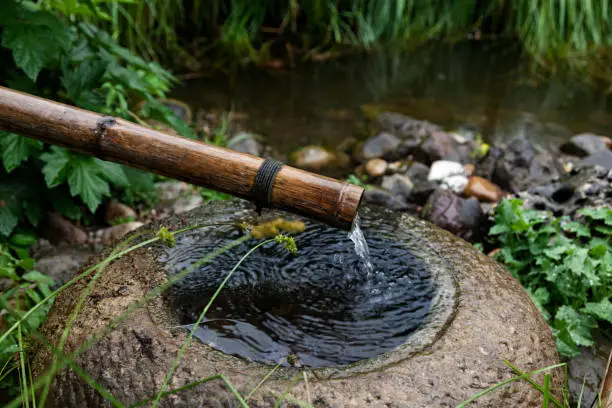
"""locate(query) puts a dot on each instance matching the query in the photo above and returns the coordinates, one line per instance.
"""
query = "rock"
(469, 169)
(443, 169)
(422, 190)
(486, 165)
(61, 263)
(583, 187)
(313, 158)
(456, 183)
(398, 184)
(398, 167)
(603, 158)
(483, 190)
(245, 142)
(524, 165)
(490, 315)
(584, 144)
(462, 217)
(443, 146)
(187, 203)
(382, 145)
(589, 367)
(376, 167)
(111, 234)
(179, 108)
(386, 199)
(58, 229)
(418, 171)
(177, 197)
(404, 126)
(116, 211)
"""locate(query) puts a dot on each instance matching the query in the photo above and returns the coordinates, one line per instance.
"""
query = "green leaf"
(557, 252)
(601, 310)
(16, 149)
(581, 230)
(113, 172)
(30, 45)
(65, 205)
(33, 211)
(9, 217)
(54, 169)
(577, 325)
(601, 213)
(23, 239)
(82, 80)
(37, 277)
(85, 180)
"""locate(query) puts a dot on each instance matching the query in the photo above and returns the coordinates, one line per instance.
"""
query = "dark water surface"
(489, 86)
(320, 304)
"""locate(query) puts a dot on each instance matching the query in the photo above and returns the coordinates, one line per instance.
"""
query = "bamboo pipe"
(322, 198)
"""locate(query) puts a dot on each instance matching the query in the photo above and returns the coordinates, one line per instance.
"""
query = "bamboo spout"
(323, 198)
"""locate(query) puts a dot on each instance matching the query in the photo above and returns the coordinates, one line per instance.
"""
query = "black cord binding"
(261, 192)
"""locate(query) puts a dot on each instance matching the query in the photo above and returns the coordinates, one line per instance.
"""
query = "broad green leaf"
(9, 217)
(577, 325)
(16, 149)
(113, 172)
(80, 82)
(32, 46)
(54, 169)
(601, 310)
(557, 252)
(601, 213)
(23, 239)
(33, 210)
(85, 181)
(35, 276)
(581, 230)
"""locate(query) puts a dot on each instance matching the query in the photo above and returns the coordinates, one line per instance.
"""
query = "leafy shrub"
(46, 51)
(565, 265)
(27, 288)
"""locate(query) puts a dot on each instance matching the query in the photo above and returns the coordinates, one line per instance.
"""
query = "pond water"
(323, 305)
(490, 86)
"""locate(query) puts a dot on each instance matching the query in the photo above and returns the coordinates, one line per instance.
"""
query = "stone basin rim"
(443, 305)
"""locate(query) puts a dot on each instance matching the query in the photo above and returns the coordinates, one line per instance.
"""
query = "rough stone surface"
(462, 217)
(418, 171)
(313, 158)
(61, 263)
(398, 184)
(116, 211)
(524, 165)
(603, 158)
(483, 190)
(381, 145)
(584, 144)
(245, 142)
(405, 126)
(387, 199)
(443, 146)
(494, 319)
(58, 229)
(376, 167)
(583, 187)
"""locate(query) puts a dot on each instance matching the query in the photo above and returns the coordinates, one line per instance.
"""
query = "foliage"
(27, 288)
(565, 265)
(47, 50)
(358, 181)
(253, 30)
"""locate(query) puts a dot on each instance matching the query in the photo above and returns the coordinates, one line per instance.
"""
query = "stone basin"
(474, 314)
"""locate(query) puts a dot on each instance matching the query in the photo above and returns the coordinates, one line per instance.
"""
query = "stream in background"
(490, 86)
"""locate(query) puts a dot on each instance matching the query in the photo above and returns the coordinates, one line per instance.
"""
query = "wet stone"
(398, 184)
(381, 145)
(462, 217)
(376, 167)
(584, 144)
(483, 190)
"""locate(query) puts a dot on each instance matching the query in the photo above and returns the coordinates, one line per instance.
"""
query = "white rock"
(455, 183)
(443, 169)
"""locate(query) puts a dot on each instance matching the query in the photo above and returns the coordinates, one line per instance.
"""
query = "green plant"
(26, 288)
(358, 181)
(48, 52)
(565, 265)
